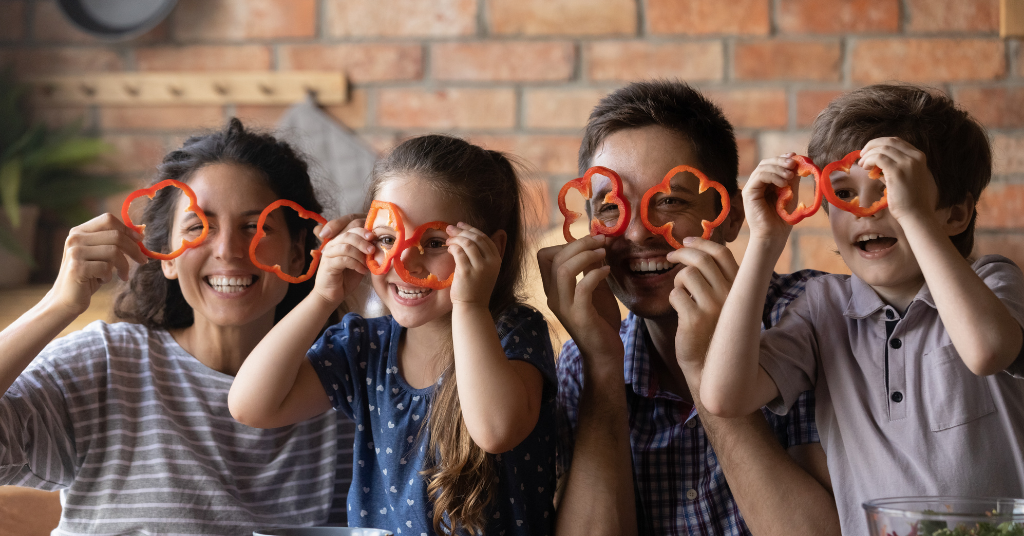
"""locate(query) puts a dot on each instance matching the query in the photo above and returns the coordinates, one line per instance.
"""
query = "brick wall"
(522, 75)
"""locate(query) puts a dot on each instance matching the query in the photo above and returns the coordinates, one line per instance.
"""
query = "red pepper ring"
(193, 206)
(804, 168)
(583, 185)
(431, 281)
(260, 233)
(850, 206)
(395, 221)
(665, 187)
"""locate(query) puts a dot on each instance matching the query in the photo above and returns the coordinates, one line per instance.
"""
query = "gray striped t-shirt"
(137, 434)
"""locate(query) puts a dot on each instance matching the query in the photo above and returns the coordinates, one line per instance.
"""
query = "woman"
(130, 419)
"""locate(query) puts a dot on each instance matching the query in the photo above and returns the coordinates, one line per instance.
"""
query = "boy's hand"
(909, 184)
(701, 288)
(477, 262)
(764, 221)
(587, 309)
(343, 261)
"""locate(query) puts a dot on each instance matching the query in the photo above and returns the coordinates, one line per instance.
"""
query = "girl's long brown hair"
(459, 473)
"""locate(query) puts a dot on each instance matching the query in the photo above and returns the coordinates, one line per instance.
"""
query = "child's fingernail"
(324, 232)
(689, 240)
(599, 238)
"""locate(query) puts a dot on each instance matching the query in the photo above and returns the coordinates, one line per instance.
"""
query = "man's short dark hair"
(955, 145)
(675, 106)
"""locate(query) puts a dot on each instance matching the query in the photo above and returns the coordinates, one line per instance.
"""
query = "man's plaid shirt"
(680, 488)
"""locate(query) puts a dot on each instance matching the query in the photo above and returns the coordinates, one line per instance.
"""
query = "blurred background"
(514, 75)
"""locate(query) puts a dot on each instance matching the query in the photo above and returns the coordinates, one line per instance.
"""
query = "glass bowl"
(945, 516)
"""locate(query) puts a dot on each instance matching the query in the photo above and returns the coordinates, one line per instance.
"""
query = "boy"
(906, 355)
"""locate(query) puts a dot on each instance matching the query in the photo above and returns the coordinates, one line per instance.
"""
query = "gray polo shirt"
(898, 411)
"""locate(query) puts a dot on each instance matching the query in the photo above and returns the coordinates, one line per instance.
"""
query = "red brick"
(817, 251)
(62, 116)
(400, 18)
(1006, 244)
(928, 60)
(161, 117)
(62, 60)
(530, 61)
(994, 107)
(748, 155)
(776, 143)
(240, 20)
(952, 16)
(260, 117)
(352, 114)
(1001, 207)
(360, 62)
(562, 17)
(459, 108)
(560, 108)
(1007, 154)
(704, 17)
(13, 28)
(838, 16)
(544, 153)
(382, 143)
(810, 103)
(817, 61)
(753, 108)
(203, 58)
(134, 153)
(50, 25)
(634, 60)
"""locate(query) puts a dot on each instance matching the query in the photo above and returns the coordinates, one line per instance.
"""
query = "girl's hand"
(343, 263)
(909, 184)
(93, 252)
(477, 261)
(764, 221)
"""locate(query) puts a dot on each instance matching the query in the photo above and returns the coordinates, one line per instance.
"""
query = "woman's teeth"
(650, 266)
(229, 285)
(412, 294)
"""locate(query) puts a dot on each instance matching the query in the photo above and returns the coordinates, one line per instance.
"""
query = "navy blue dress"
(357, 362)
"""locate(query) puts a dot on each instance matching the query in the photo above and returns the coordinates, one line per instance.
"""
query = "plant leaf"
(10, 180)
(66, 153)
(10, 243)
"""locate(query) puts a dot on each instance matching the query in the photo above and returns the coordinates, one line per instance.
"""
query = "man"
(638, 454)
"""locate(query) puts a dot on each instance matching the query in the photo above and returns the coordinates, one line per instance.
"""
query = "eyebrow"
(192, 215)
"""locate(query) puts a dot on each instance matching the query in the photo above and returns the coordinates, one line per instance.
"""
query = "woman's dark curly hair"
(153, 300)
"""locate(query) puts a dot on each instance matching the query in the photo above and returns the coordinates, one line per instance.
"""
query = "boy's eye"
(844, 194)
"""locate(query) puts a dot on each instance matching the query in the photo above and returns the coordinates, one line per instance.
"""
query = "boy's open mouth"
(232, 284)
(874, 242)
(650, 266)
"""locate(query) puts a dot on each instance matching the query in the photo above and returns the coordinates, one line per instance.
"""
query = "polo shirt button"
(889, 314)
(691, 494)
(897, 397)
(692, 423)
(895, 343)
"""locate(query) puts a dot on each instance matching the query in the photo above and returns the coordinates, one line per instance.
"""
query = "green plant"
(44, 166)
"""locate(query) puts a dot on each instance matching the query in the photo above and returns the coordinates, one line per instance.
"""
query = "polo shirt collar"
(864, 301)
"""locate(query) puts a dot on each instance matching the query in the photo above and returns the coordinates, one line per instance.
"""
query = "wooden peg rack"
(162, 88)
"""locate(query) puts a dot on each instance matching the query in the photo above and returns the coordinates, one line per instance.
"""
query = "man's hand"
(701, 288)
(587, 309)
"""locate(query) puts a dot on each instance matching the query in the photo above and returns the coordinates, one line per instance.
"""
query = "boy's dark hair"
(675, 106)
(955, 145)
(153, 300)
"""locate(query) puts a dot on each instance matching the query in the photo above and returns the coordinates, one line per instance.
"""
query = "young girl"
(453, 394)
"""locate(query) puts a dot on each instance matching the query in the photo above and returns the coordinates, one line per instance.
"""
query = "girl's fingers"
(470, 248)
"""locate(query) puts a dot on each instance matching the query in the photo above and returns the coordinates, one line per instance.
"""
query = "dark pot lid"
(116, 19)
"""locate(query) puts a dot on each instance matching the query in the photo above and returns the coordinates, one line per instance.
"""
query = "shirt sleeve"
(788, 352)
(339, 359)
(796, 427)
(570, 385)
(37, 445)
(1007, 283)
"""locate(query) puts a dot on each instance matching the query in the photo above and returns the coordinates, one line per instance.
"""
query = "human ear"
(170, 269)
(500, 238)
(730, 228)
(956, 218)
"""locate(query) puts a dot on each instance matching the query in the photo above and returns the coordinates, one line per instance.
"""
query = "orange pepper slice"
(804, 168)
(851, 206)
(431, 281)
(260, 233)
(395, 221)
(192, 206)
(665, 187)
(583, 185)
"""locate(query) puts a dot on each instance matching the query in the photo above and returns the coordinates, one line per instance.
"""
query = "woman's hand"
(343, 263)
(477, 262)
(93, 252)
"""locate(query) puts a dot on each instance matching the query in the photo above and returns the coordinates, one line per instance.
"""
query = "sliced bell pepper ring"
(260, 233)
(850, 206)
(583, 185)
(395, 221)
(192, 206)
(431, 281)
(804, 168)
(665, 187)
